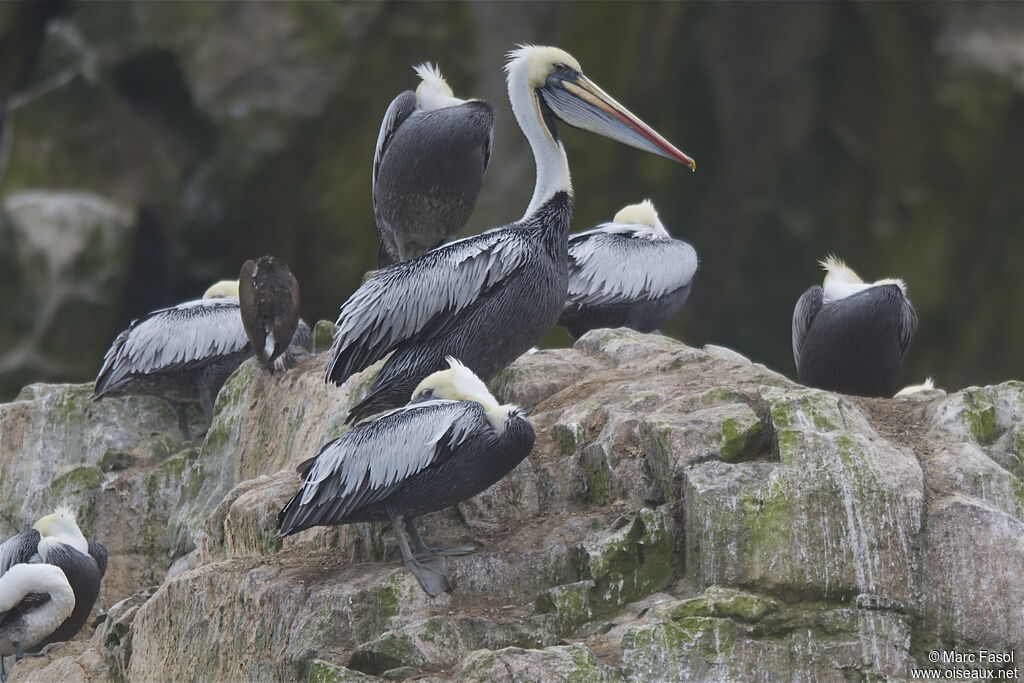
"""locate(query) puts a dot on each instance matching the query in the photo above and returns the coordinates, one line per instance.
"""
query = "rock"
(685, 515)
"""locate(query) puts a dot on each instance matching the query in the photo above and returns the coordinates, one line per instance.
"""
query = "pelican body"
(432, 152)
(34, 600)
(268, 298)
(56, 540)
(627, 273)
(850, 336)
(487, 299)
(451, 442)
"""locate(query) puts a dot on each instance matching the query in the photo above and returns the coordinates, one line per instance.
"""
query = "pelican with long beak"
(487, 299)
(851, 336)
(448, 444)
(54, 540)
(627, 273)
(432, 152)
(183, 354)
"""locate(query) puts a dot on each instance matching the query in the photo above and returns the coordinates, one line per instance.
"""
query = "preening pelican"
(487, 299)
(34, 600)
(449, 444)
(57, 540)
(851, 336)
(627, 273)
(268, 297)
(432, 152)
(183, 354)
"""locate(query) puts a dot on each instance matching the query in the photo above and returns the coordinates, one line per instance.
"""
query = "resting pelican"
(57, 540)
(34, 600)
(487, 299)
(850, 336)
(268, 297)
(450, 443)
(183, 354)
(432, 152)
(627, 273)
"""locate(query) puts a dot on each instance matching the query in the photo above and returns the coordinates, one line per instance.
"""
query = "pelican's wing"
(399, 110)
(173, 338)
(364, 464)
(624, 263)
(907, 326)
(417, 297)
(807, 307)
(19, 549)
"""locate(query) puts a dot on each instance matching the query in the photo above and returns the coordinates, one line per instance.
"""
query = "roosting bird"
(54, 540)
(268, 297)
(183, 354)
(34, 600)
(449, 444)
(432, 152)
(487, 299)
(627, 273)
(851, 336)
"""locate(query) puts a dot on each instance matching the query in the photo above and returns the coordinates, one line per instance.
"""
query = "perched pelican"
(268, 297)
(487, 299)
(56, 540)
(850, 336)
(627, 273)
(432, 152)
(34, 600)
(182, 354)
(450, 443)
(925, 387)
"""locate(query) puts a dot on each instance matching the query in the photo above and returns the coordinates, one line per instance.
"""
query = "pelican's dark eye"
(426, 393)
(561, 68)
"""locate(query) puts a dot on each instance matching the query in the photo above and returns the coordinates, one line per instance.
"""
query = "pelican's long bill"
(578, 101)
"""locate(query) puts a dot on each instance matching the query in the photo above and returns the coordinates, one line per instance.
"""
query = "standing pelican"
(34, 600)
(268, 297)
(627, 273)
(850, 336)
(57, 540)
(432, 152)
(450, 443)
(487, 299)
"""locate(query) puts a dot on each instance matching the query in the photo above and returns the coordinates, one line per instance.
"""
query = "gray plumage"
(484, 300)
(428, 168)
(182, 354)
(268, 297)
(853, 345)
(626, 275)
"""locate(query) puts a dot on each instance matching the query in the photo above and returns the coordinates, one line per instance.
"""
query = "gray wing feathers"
(173, 337)
(400, 301)
(807, 307)
(19, 549)
(378, 455)
(398, 111)
(616, 263)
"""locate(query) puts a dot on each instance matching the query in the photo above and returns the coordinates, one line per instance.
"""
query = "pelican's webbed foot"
(431, 572)
(421, 551)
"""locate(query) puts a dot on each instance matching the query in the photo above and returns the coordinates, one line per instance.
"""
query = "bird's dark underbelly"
(181, 385)
(643, 315)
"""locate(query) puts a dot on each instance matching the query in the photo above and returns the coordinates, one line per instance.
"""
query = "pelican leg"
(421, 550)
(3, 669)
(431, 573)
(181, 411)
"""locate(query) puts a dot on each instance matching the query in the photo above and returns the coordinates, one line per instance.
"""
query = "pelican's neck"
(548, 154)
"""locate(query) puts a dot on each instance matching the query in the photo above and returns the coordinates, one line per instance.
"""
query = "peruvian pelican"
(183, 354)
(627, 273)
(268, 297)
(448, 444)
(851, 336)
(432, 152)
(54, 540)
(486, 299)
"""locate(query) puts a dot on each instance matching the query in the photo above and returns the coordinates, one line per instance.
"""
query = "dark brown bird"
(268, 295)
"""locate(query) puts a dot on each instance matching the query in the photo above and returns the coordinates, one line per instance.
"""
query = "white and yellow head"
(224, 288)
(433, 92)
(60, 527)
(840, 280)
(640, 214)
(459, 383)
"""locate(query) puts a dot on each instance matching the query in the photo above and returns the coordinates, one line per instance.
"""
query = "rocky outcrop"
(685, 514)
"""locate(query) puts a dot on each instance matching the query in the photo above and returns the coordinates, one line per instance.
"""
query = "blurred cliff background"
(149, 148)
